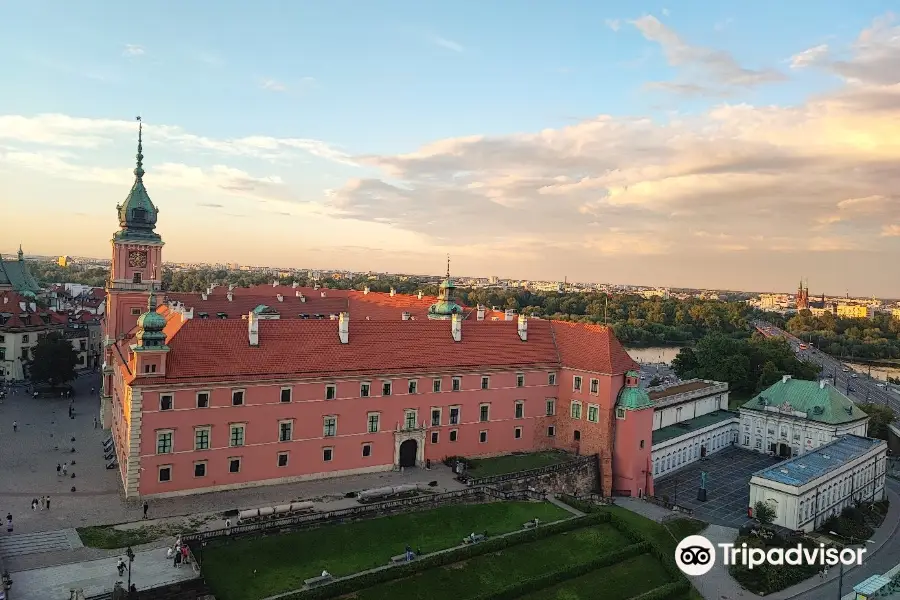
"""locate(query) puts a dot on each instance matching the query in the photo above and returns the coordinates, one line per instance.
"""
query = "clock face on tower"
(137, 258)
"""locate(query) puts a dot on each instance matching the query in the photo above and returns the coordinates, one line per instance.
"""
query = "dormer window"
(139, 214)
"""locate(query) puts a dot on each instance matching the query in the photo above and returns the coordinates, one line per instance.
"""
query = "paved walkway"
(645, 509)
(556, 502)
(150, 569)
(33, 543)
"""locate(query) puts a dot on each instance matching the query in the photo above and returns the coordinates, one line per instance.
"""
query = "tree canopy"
(748, 365)
(880, 417)
(53, 360)
(874, 338)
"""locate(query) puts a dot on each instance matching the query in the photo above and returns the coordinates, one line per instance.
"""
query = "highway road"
(857, 385)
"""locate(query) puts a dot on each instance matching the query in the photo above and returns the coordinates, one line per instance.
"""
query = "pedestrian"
(9, 526)
(177, 559)
(132, 592)
(34, 505)
(95, 422)
(48, 502)
(58, 469)
(120, 566)
(15, 426)
(43, 502)
(65, 468)
(146, 508)
(184, 554)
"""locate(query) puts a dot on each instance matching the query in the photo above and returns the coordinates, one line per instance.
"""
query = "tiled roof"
(589, 347)
(808, 467)
(821, 403)
(691, 426)
(16, 273)
(680, 388)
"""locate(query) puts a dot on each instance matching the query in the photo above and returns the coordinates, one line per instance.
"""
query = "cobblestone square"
(728, 485)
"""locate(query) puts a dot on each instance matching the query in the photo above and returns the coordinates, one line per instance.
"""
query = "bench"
(530, 524)
(478, 537)
(400, 558)
(317, 581)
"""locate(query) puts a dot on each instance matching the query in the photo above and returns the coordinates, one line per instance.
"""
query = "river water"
(665, 354)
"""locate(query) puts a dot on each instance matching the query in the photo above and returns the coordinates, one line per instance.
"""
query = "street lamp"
(130, 554)
(841, 575)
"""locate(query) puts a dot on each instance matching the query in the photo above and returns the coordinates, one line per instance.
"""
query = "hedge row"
(578, 504)
(431, 561)
(525, 586)
(670, 591)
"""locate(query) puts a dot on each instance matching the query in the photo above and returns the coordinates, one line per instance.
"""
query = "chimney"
(456, 327)
(405, 316)
(253, 326)
(302, 297)
(420, 294)
(280, 297)
(294, 284)
(333, 317)
(523, 328)
(479, 314)
(393, 292)
(344, 327)
(323, 294)
(822, 384)
(784, 378)
(203, 296)
(274, 283)
(509, 314)
(230, 296)
(366, 291)
(298, 293)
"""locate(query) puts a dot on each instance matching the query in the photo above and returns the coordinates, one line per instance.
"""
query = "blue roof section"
(871, 585)
(802, 469)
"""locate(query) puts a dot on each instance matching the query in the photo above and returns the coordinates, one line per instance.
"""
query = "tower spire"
(20, 254)
(448, 266)
(139, 170)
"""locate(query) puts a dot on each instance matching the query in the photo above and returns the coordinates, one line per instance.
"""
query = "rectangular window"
(386, 388)
(201, 438)
(329, 426)
(199, 469)
(436, 385)
(282, 459)
(517, 433)
(202, 399)
(165, 473)
(164, 442)
(366, 450)
(234, 465)
(434, 437)
(620, 413)
(551, 431)
(147, 368)
(410, 418)
(285, 394)
(454, 415)
(136, 278)
(576, 383)
(484, 413)
(25, 337)
(520, 409)
(593, 413)
(551, 378)
(330, 391)
(134, 313)
(285, 431)
(456, 384)
(520, 379)
(365, 389)
(412, 386)
(746, 440)
(454, 435)
(482, 436)
(374, 419)
(327, 454)
(576, 410)
(237, 436)
(642, 444)
(166, 402)
(237, 397)
(551, 407)
(485, 383)
(435, 417)
(595, 386)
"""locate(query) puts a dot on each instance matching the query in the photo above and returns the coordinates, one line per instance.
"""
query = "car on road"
(845, 370)
(879, 385)
(854, 376)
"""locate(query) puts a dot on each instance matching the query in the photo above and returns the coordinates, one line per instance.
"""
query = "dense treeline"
(748, 365)
(49, 272)
(865, 339)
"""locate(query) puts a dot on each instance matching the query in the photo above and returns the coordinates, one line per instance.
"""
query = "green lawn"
(512, 463)
(626, 579)
(490, 572)
(282, 562)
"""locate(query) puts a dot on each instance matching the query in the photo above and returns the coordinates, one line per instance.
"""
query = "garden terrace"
(511, 467)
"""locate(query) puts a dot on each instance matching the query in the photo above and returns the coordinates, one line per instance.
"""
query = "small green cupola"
(20, 254)
(446, 305)
(137, 215)
(633, 396)
(150, 325)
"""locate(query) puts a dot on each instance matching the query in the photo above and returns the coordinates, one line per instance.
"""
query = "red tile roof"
(218, 350)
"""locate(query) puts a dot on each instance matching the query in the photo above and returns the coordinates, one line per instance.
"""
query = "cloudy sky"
(731, 145)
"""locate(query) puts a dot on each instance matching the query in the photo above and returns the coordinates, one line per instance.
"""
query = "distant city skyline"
(663, 145)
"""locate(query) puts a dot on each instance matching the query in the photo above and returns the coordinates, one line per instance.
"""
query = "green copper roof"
(137, 215)
(150, 327)
(633, 398)
(443, 309)
(17, 275)
(691, 426)
(824, 404)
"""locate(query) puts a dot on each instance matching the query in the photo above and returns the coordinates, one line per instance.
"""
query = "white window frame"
(595, 386)
(330, 390)
(243, 394)
(240, 462)
(369, 416)
(551, 378)
(436, 385)
(287, 459)
(412, 386)
(329, 449)
(171, 398)
(325, 419)
(290, 395)
(485, 382)
(440, 416)
(483, 436)
(231, 429)
(458, 409)
(159, 471)
(517, 433)
(575, 410)
(387, 386)
(208, 430)
(551, 431)
(481, 407)
(171, 434)
(289, 422)
(551, 404)
(435, 437)
(456, 384)
(520, 404)
(620, 413)
(453, 435)
(415, 418)
(596, 410)
(205, 464)
(365, 389)
(576, 383)
(208, 398)
(362, 450)
(520, 380)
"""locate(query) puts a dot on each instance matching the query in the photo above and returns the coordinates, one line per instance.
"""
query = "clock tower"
(135, 271)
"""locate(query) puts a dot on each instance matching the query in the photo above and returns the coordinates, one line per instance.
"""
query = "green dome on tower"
(633, 396)
(150, 327)
(137, 215)
(446, 305)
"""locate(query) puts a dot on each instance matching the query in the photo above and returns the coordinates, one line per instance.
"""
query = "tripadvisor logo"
(696, 555)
